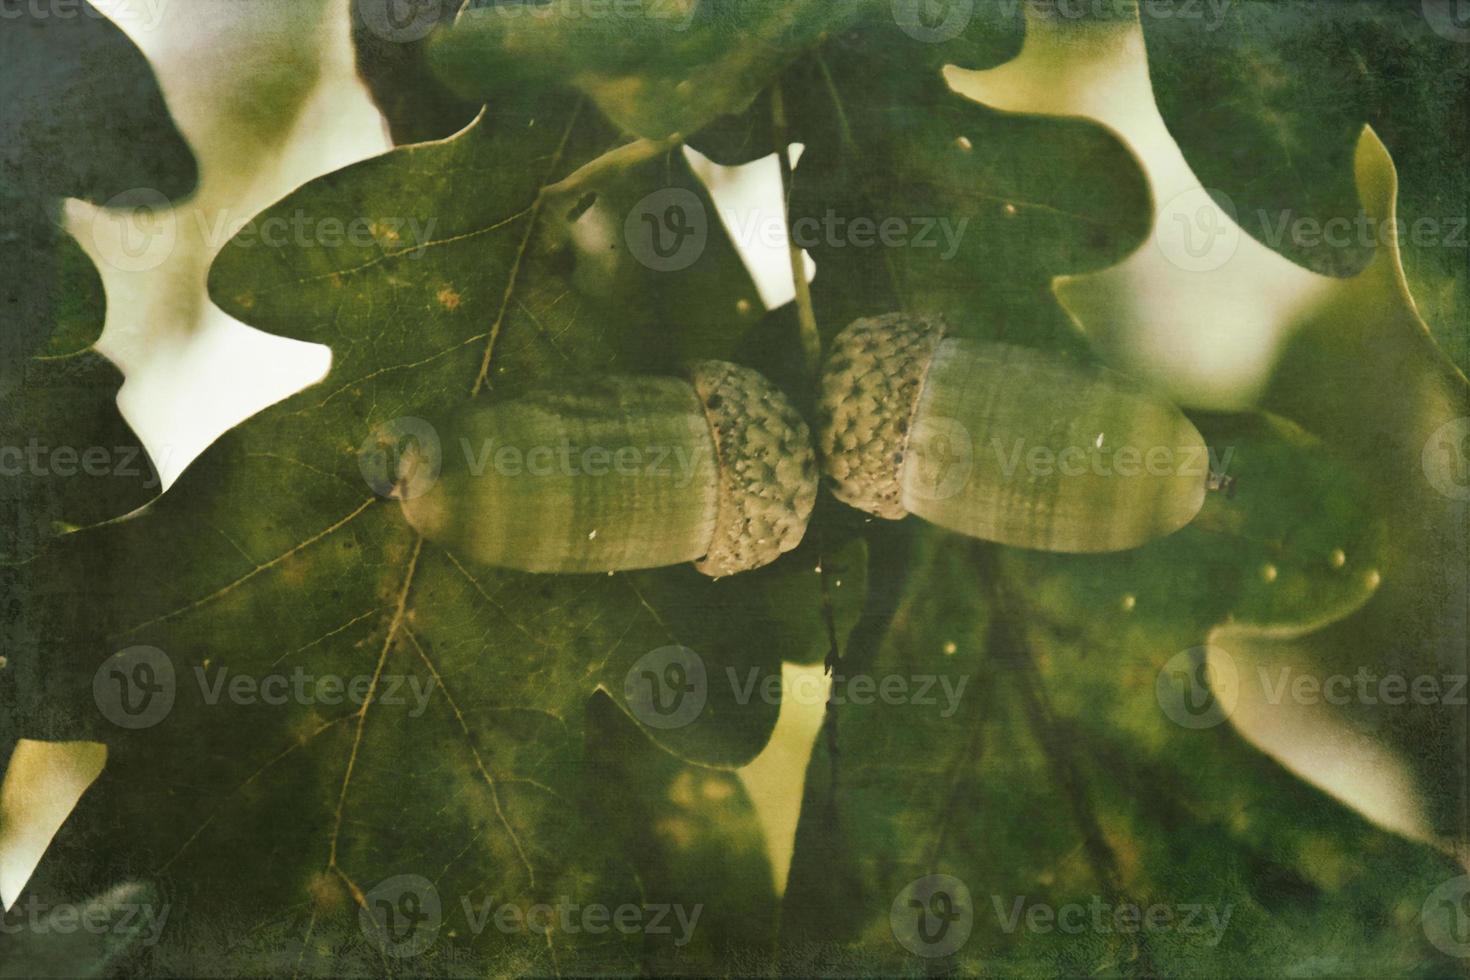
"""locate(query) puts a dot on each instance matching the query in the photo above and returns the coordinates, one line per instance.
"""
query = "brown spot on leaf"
(325, 892)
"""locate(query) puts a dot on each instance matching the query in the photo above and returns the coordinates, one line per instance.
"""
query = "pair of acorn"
(990, 440)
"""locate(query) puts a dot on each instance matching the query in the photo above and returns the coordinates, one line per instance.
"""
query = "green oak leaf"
(394, 66)
(909, 196)
(79, 102)
(1364, 371)
(49, 941)
(677, 284)
(1058, 780)
(696, 843)
(1291, 542)
(1352, 361)
(1266, 99)
(81, 115)
(660, 69)
(904, 43)
(460, 761)
(67, 457)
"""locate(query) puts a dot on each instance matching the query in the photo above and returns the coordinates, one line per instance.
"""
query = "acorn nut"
(622, 473)
(1003, 443)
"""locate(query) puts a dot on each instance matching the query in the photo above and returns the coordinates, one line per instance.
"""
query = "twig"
(1008, 633)
(811, 341)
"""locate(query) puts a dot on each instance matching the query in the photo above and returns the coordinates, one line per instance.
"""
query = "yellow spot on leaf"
(325, 892)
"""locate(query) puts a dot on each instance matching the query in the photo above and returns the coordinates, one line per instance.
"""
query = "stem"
(811, 341)
(619, 158)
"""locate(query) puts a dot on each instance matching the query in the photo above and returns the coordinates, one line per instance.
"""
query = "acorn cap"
(767, 470)
(876, 364)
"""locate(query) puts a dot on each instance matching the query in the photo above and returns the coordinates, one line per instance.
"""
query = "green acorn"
(624, 473)
(1001, 442)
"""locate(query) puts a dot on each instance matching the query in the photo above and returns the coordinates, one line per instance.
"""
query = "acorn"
(621, 473)
(1001, 442)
